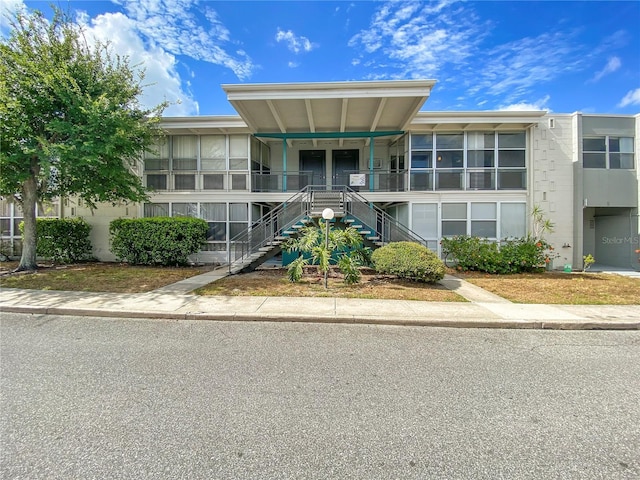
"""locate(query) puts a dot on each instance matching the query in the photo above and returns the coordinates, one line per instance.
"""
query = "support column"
(284, 164)
(371, 179)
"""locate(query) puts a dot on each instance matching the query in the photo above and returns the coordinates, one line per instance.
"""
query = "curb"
(413, 322)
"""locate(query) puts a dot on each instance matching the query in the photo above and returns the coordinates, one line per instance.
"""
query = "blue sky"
(489, 55)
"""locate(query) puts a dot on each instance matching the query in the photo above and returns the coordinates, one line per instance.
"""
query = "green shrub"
(408, 260)
(157, 240)
(63, 240)
(511, 256)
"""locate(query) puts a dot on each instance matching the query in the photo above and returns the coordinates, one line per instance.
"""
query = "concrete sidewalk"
(484, 309)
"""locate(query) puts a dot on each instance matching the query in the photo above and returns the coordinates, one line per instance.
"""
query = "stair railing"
(264, 231)
(271, 227)
(379, 222)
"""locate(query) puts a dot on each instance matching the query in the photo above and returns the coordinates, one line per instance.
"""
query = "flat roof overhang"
(329, 107)
(204, 125)
(477, 121)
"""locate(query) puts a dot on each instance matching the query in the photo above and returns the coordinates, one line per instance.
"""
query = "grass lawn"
(560, 288)
(96, 277)
(274, 282)
(549, 287)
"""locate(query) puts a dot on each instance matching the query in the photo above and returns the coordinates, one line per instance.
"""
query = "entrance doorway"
(345, 162)
(312, 168)
(614, 237)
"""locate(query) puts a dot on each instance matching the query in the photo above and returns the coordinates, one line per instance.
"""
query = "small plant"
(345, 248)
(541, 224)
(587, 260)
(6, 251)
(408, 260)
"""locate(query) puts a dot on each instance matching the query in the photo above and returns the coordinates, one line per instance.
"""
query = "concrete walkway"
(626, 272)
(188, 285)
(483, 309)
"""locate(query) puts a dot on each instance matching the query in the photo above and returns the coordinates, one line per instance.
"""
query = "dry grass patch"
(274, 283)
(96, 277)
(560, 288)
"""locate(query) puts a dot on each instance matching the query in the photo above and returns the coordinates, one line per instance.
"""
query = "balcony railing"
(358, 181)
(278, 181)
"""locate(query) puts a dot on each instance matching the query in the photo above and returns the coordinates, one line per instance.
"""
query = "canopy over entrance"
(329, 107)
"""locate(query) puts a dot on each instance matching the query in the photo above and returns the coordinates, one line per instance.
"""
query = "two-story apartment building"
(436, 173)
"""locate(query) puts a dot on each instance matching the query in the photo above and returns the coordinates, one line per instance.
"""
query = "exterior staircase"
(263, 239)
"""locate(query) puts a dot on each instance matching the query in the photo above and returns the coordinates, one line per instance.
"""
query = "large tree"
(70, 120)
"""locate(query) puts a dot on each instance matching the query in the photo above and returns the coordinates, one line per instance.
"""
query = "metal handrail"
(387, 228)
(273, 225)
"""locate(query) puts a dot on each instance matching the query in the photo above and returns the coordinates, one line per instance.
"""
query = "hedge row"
(511, 256)
(63, 240)
(157, 240)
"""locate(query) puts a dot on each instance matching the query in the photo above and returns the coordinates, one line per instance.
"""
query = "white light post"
(327, 214)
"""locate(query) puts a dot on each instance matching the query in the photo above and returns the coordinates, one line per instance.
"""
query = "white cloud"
(631, 98)
(612, 65)
(7, 10)
(153, 33)
(515, 68)
(421, 38)
(172, 24)
(541, 104)
(161, 81)
(448, 40)
(294, 42)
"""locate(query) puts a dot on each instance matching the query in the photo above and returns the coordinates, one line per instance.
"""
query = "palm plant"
(312, 247)
(541, 224)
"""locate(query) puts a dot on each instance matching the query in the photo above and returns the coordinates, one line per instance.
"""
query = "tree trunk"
(29, 237)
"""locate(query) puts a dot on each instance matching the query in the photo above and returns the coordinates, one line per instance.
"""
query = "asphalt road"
(87, 398)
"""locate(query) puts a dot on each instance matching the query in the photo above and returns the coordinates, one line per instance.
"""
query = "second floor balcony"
(360, 181)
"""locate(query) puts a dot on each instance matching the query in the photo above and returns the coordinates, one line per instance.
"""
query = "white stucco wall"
(552, 181)
(99, 220)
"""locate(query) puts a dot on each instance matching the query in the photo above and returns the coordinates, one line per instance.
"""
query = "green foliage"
(345, 249)
(587, 260)
(348, 265)
(70, 119)
(408, 260)
(6, 250)
(64, 240)
(296, 269)
(512, 256)
(541, 224)
(157, 240)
